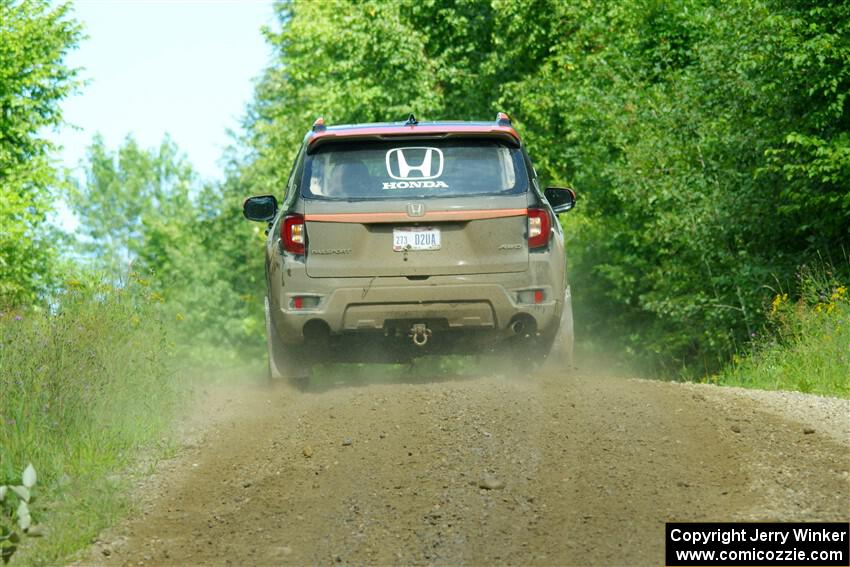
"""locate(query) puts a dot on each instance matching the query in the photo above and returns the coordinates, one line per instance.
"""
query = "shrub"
(806, 343)
(87, 384)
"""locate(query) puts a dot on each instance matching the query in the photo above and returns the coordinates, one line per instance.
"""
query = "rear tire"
(281, 364)
(553, 347)
(561, 354)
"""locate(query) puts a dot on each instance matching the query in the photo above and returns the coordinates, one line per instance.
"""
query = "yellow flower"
(179, 317)
(777, 302)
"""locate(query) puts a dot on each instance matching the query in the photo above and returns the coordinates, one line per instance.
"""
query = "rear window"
(413, 169)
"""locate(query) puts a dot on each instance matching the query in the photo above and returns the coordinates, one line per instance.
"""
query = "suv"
(397, 240)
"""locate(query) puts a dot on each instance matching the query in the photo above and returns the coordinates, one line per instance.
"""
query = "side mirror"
(562, 199)
(261, 208)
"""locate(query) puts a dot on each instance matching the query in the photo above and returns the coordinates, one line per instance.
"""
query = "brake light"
(304, 302)
(539, 228)
(293, 234)
(535, 296)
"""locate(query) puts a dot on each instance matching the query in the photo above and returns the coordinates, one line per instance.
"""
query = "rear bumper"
(475, 303)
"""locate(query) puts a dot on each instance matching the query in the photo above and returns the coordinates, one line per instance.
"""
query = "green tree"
(123, 192)
(145, 210)
(710, 164)
(35, 37)
(347, 62)
(709, 142)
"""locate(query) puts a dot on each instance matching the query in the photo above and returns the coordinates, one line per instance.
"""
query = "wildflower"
(18, 317)
(777, 302)
(179, 317)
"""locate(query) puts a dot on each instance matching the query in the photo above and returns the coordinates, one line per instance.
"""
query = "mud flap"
(280, 364)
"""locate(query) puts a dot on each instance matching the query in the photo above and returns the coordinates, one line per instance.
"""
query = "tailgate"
(383, 238)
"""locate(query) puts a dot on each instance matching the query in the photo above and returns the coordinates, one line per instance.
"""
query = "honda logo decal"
(414, 164)
(415, 209)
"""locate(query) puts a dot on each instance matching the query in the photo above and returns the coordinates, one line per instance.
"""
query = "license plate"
(416, 239)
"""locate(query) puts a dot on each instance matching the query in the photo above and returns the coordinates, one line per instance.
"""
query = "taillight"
(304, 302)
(539, 228)
(293, 234)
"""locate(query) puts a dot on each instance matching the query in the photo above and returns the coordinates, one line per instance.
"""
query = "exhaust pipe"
(523, 325)
(420, 334)
(518, 327)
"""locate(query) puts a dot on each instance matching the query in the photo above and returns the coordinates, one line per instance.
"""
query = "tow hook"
(420, 334)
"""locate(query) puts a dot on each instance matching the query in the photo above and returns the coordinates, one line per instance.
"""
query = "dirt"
(579, 468)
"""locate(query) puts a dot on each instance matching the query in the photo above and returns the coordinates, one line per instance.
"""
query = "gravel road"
(561, 469)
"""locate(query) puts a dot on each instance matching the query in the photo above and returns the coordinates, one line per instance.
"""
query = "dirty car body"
(403, 239)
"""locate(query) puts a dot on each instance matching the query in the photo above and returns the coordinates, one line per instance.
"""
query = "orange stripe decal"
(430, 216)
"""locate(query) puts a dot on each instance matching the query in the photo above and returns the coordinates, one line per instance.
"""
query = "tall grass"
(86, 383)
(806, 344)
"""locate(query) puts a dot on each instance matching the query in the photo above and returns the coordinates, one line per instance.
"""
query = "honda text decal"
(414, 168)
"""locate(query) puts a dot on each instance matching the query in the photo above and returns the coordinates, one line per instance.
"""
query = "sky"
(182, 67)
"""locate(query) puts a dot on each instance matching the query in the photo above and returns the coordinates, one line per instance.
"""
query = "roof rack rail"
(319, 125)
(502, 119)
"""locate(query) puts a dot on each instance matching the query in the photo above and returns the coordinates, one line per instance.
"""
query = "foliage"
(319, 69)
(709, 145)
(123, 191)
(84, 378)
(805, 345)
(88, 384)
(15, 514)
(35, 37)
(146, 208)
(685, 126)
(673, 120)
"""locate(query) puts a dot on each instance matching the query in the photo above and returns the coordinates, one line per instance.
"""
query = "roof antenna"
(411, 120)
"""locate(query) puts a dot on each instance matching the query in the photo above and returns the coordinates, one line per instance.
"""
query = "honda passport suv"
(398, 240)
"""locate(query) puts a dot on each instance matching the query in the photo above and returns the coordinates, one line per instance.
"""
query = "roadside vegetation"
(805, 344)
(88, 386)
(709, 145)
